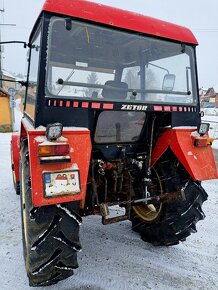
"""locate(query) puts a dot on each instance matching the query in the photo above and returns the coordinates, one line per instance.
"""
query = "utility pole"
(2, 11)
(2, 24)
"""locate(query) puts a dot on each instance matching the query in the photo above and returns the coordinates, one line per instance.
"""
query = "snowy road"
(113, 256)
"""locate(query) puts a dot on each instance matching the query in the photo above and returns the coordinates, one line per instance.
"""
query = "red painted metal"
(15, 154)
(108, 106)
(115, 17)
(76, 104)
(80, 144)
(158, 108)
(198, 161)
(85, 104)
(96, 105)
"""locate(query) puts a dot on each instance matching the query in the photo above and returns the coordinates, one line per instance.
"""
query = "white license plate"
(61, 183)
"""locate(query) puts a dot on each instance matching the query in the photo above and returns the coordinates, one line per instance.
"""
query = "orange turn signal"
(210, 141)
(53, 150)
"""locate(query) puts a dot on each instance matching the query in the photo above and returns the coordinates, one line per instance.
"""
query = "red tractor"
(111, 117)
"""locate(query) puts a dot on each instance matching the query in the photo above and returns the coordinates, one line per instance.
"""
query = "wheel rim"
(151, 212)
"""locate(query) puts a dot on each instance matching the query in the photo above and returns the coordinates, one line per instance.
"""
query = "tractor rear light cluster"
(53, 150)
(203, 141)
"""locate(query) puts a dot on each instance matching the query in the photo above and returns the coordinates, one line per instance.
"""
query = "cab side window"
(33, 77)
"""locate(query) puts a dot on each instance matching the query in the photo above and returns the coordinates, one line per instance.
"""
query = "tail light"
(53, 150)
(203, 141)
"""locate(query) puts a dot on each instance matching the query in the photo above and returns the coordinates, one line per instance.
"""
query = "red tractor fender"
(80, 152)
(198, 161)
(15, 155)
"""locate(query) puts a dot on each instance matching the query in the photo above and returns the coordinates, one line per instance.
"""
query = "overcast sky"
(198, 15)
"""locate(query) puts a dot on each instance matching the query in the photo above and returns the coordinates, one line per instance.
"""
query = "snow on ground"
(17, 116)
(114, 257)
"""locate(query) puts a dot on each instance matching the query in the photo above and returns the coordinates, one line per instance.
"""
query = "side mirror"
(168, 82)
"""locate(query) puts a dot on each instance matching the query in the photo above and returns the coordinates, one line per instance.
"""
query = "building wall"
(5, 114)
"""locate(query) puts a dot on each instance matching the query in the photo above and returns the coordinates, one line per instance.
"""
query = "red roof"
(84, 9)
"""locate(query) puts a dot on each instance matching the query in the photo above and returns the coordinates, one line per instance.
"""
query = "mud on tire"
(50, 234)
(178, 219)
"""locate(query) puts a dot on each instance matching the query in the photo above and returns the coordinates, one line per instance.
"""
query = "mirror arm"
(160, 67)
(23, 83)
(25, 45)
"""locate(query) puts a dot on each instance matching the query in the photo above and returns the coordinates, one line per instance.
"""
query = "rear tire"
(50, 234)
(177, 220)
(16, 183)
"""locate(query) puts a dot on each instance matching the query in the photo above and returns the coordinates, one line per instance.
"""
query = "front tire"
(50, 234)
(176, 220)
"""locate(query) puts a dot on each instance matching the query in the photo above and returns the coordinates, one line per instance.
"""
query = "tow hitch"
(164, 198)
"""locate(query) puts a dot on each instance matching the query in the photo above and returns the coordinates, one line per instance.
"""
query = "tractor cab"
(109, 80)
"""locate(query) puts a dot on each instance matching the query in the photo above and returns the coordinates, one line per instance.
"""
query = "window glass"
(115, 127)
(78, 76)
(157, 70)
(93, 62)
(131, 76)
(33, 77)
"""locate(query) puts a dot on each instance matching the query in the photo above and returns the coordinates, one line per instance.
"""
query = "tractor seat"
(115, 90)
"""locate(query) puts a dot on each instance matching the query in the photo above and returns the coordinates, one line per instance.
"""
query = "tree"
(92, 79)
(132, 78)
(151, 80)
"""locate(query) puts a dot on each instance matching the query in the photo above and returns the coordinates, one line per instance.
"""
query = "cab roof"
(119, 18)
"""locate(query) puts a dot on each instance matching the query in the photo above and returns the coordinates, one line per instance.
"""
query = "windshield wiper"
(67, 79)
(150, 91)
